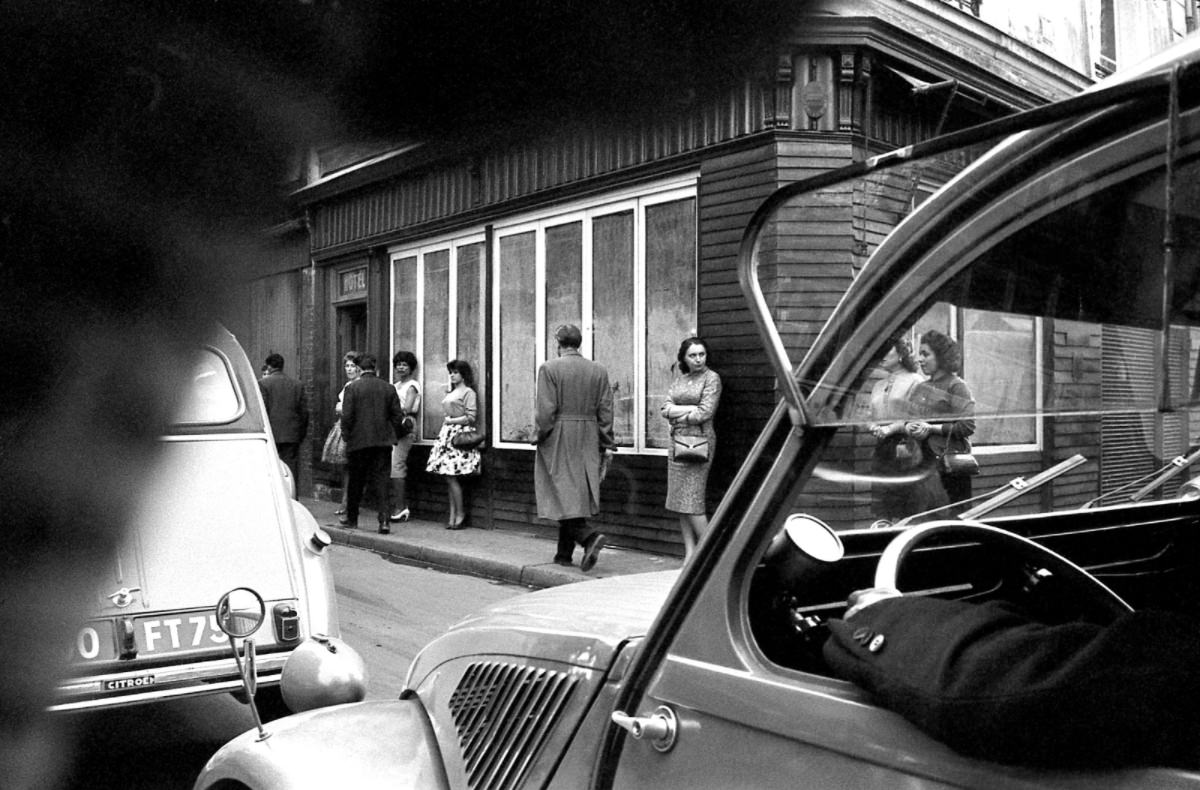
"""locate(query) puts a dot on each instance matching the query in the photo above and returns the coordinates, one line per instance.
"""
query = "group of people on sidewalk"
(376, 428)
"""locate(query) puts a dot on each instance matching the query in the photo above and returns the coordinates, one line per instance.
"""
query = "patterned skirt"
(446, 459)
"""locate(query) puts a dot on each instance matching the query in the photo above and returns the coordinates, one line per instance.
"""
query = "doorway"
(351, 331)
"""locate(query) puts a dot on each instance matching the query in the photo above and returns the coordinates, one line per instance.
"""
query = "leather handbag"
(468, 439)
(690, 449)
(956, 459)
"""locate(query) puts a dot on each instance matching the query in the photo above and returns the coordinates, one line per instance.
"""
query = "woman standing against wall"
(461, 409)
(334, 451)
(404, 365)
(689, 408)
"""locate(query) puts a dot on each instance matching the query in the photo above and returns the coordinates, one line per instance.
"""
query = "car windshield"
(1044, 320)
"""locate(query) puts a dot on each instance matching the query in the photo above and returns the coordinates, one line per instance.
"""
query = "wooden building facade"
(631, 230)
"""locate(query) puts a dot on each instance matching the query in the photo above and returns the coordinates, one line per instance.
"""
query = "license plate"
(153, 635)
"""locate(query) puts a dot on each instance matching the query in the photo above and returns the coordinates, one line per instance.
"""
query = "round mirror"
(241, 612)
(813, 537)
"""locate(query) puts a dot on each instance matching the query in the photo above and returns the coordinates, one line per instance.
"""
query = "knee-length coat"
(574, 424)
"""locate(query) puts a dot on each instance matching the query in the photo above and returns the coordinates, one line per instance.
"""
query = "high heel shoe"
(460, 524)
(400, 515)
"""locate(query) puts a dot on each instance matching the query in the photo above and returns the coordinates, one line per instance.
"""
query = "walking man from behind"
(287, 410)
(574, 430)
(371, 416)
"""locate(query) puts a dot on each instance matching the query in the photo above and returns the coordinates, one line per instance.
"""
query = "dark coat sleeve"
(991, 683)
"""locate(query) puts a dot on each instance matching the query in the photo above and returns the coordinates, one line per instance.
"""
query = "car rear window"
(210, 394)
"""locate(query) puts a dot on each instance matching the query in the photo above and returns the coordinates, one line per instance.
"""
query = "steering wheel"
(1094, 593)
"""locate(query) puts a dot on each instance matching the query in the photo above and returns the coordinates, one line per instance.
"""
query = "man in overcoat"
(371, 416)
(574, 430)
(287, 409)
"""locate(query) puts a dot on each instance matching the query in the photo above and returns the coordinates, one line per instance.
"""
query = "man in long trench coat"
(574, 425)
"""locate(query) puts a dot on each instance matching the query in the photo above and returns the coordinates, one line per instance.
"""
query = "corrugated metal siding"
(1129, 442)
(577, 154)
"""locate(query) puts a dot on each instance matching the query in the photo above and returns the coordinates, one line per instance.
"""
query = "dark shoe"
(564, 561)
(384, 528)
(347, 523)
(340, 511)
(592, 552)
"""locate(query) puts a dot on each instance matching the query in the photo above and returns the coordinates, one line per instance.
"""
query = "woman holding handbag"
(689, 408)
(448, 458)
(947, 408)
(896, 454)
(334, 451)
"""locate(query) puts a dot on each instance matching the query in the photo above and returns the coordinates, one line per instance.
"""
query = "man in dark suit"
(371, 416)
(287, 409)
(992, 682)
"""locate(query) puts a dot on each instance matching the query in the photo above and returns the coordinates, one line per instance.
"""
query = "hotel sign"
(352, 282)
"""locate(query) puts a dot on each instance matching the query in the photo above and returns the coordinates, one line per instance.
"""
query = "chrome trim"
(192, 679)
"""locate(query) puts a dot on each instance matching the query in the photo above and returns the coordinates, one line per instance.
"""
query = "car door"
(1045, 262)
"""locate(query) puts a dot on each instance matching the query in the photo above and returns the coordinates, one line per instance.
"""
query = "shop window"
(437, 313)
(625, 271)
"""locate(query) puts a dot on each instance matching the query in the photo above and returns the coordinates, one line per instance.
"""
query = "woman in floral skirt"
(461, 408)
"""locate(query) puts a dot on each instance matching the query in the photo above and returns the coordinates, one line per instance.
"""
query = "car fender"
(364, 745)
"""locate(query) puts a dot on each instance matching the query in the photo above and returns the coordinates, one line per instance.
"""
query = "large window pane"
(670, 300)
(613, 316)
(564, 280)
(1000, 367)
(437, 339)
(469, 324)
(518, 336)
(404, 305)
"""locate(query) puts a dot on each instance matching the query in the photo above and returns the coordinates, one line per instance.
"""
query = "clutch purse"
(690, 449)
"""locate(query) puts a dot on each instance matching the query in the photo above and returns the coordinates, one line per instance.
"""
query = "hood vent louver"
(503, 713)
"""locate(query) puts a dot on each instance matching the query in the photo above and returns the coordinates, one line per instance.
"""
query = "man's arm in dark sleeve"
(991, 683)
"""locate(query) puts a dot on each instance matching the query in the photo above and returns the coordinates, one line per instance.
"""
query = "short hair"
(275, 360)
(569, 336)
(368, 362)
(464, 369)
(352, 356)
(905, 352)
(949, 358)
(681, 357)
(407, 357)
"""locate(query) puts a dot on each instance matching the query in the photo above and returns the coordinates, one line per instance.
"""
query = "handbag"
(407, 426)
(468, 439)
(956, 459)
(690, 449)
(334, 451)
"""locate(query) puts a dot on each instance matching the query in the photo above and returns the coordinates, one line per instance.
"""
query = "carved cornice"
(922, 36)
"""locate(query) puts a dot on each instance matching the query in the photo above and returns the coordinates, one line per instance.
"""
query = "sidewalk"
(504, 555)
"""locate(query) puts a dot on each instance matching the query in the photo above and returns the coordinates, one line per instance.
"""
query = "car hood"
(580, 624)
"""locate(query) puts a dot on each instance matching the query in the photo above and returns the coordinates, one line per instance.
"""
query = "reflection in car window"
(1055, 302)
(208, 394)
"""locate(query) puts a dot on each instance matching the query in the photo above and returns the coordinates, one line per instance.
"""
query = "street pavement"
(514, 557)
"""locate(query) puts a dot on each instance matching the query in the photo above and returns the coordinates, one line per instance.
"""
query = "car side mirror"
(240, 613)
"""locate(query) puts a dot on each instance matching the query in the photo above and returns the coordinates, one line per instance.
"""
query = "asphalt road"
(388, 612)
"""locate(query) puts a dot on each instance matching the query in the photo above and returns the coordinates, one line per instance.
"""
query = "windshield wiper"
(1157, 478)
(1014, 488)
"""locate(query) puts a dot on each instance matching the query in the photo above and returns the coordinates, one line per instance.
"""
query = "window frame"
(637, 199)
(450, 243)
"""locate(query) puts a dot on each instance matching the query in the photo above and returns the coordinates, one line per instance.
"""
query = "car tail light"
(287, 622)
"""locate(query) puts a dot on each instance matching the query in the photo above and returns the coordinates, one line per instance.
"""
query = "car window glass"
(208, 393)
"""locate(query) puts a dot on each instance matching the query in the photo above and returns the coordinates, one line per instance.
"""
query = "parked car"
(1080, 330)
(217, 514)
